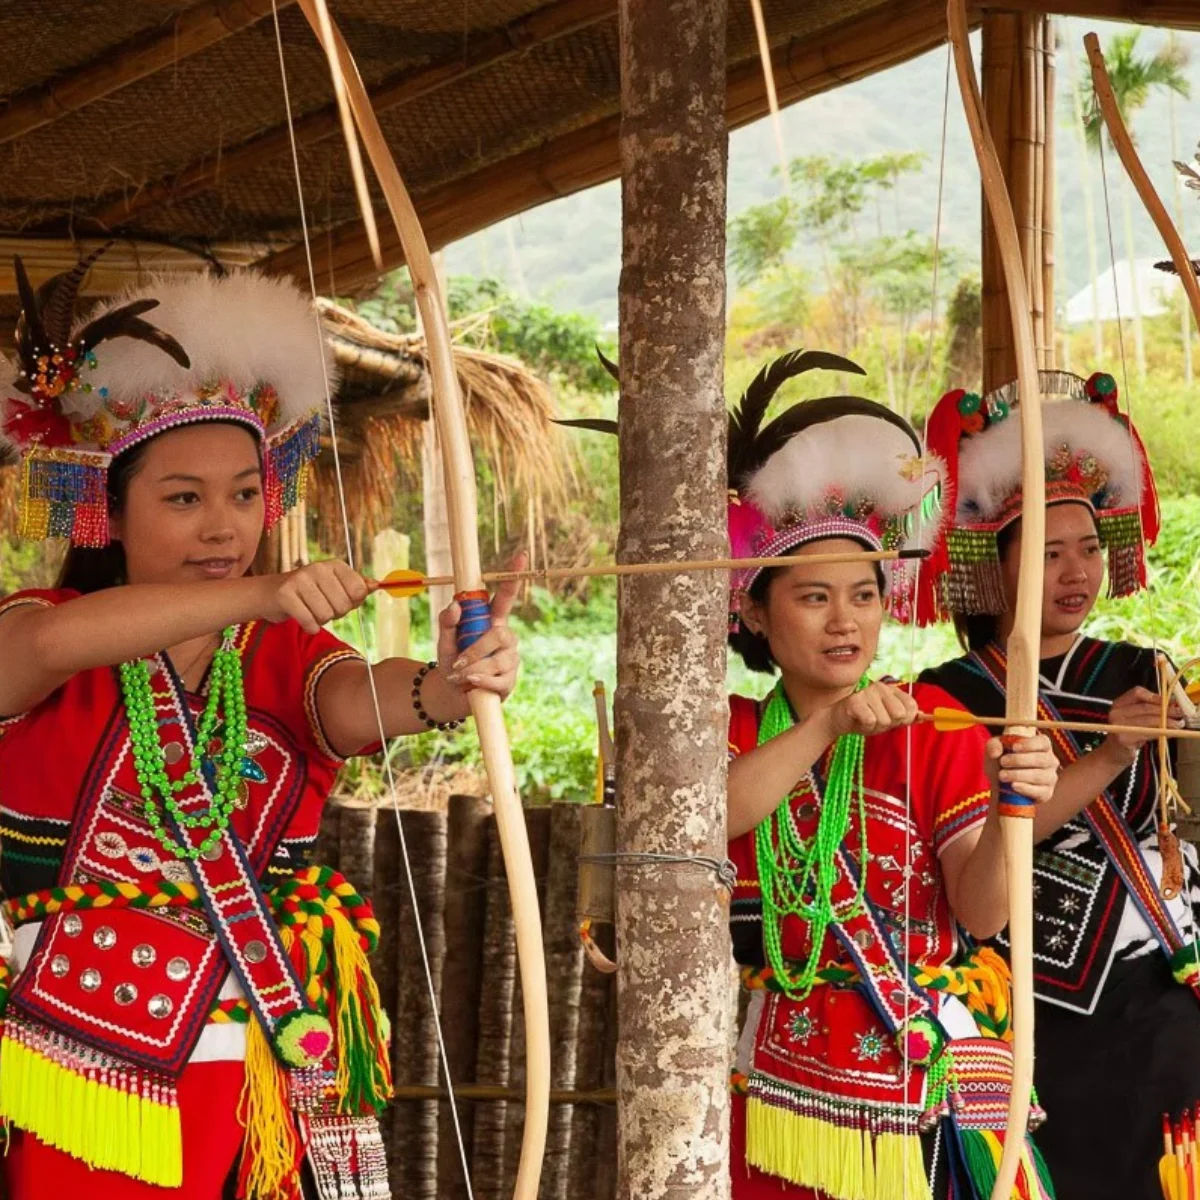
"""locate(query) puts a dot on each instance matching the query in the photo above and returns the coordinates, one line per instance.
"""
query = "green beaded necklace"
(797, 879)
(226, 701)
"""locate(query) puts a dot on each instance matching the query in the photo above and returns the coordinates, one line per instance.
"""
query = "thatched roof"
(383, 403)
(380, 412)
(166, 121)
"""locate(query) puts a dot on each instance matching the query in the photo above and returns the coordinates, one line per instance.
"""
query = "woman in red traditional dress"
(874, 1053)
(191, 1012)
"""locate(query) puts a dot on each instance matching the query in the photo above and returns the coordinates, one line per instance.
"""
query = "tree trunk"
(671, 713)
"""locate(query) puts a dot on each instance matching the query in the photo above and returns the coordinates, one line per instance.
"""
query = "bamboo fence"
(457, 875)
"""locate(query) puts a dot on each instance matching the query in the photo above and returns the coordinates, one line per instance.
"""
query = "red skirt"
(212, 1140)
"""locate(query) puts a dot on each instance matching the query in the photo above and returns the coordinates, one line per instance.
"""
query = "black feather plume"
(746, 453)
(58, 294)
(126, 322)
(31, 335)
(596, 424)
(608, 364)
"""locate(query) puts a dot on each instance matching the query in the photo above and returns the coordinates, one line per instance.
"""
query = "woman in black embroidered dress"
(1118, 1037)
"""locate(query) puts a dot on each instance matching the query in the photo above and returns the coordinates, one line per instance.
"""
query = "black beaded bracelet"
(430, 723)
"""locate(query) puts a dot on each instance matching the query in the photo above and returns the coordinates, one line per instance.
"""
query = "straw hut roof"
(380, 411)
(164, 122)
(382, 407)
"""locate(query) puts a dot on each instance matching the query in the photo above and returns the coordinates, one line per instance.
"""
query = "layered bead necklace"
(798, 877)
(226, 703)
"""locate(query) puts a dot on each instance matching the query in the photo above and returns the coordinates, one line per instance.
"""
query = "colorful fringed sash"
(852, 1132)
(116, 1115)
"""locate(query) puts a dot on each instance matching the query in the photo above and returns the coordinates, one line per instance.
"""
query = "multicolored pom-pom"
(921, 1041)
(303, 1039)
(1185, 965)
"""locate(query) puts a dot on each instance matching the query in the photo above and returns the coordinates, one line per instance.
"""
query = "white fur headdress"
(835, 467)
(243, 348)
(1093, 457)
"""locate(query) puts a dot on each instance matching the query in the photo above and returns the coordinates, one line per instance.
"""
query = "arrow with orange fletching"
(411, 583)
(950, 720)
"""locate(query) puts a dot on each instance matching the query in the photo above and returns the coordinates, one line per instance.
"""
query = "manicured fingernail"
(474, 680)
(459, 664)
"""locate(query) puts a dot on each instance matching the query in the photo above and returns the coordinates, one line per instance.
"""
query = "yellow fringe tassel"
(845, 1164)
(107, 1124)
(271, 1148)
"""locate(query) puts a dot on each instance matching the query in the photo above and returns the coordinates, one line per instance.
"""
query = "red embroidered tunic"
(67, 779)
(829, 1058)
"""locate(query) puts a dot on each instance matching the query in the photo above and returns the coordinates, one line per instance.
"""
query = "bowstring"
(906, 1071)
(389, 773)
(1151, 595)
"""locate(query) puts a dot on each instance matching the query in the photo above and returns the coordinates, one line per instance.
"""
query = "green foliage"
(555, 344)
(761, 238)
(1135, 78)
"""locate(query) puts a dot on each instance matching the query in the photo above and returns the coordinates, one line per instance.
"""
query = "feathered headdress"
(79, 395)
(1094, 457)
(834, 467)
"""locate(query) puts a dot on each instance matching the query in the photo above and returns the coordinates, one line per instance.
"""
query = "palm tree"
(1135, 79)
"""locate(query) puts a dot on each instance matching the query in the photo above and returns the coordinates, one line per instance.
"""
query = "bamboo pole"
(1000, 96)
(164, 45)
(804, 66)
(1050, 204)
(466, 905)
(1034, 63)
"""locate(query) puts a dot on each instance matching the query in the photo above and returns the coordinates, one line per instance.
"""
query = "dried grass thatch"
(383, 404)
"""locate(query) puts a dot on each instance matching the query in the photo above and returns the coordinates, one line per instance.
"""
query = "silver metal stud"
(178, 969)
(105, 938)
(144, 955)
(256, 952)
(213, 852)
(125, 993)
(160, 1006)
(172, 753)
(72, 925)
(60, 964)
(90, 979)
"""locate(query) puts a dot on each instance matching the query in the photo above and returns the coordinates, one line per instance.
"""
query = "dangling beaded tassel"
(798, 879)
(227, 702)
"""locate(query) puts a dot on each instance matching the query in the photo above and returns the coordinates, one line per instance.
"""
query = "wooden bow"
(1024, 643)
(1123, 144)
(450, 416)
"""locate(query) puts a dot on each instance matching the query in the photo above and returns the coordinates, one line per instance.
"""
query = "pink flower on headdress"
(26, 424)
(748, 529)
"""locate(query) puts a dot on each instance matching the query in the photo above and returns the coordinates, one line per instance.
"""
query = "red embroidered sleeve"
(953, 783)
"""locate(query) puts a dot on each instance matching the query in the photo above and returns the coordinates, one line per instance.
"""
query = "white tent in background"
(1156, 291)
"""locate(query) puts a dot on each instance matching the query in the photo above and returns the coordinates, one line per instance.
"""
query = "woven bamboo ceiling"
(165, 124)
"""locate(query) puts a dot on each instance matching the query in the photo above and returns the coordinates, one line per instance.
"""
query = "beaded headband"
(850, 469)
(1094, 457)
(80, 395)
